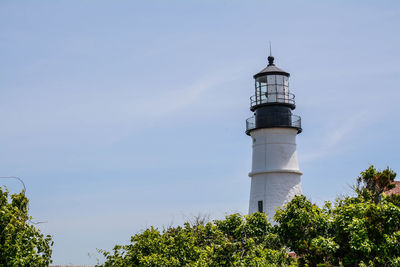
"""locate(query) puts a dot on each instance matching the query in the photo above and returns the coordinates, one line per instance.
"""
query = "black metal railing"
(292, 121)
(265, 98)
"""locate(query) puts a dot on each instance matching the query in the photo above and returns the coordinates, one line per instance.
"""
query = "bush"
(359, 230)
(235, 241)
(21, 244)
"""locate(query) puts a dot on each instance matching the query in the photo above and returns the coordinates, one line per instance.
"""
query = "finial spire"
(270, 49)
(270, 58)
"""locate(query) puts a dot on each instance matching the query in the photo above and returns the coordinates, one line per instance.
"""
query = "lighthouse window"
(260, 206)
(279, 79)
(285, 81)
(270, 89)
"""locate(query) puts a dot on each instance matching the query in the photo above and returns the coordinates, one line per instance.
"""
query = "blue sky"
(119, 115)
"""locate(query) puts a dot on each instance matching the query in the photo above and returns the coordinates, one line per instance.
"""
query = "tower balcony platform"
(272, 99)
(274, 121)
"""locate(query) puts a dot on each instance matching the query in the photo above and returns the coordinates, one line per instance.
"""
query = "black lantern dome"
(271, 69)
(272, 102)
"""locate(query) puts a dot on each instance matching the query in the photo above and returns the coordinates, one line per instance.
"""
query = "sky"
(119, 115)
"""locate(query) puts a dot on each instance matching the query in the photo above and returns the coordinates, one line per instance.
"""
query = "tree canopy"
(236, 241)
(21, 244)
(358, 230)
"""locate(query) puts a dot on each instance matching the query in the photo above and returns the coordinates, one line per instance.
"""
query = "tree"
(353, 231)
(359, 230)
(372, 183)
(304, 228)
(235, 241)
(21, 244)
(367, 232)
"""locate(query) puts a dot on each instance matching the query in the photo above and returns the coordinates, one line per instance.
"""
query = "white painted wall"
(275, 174)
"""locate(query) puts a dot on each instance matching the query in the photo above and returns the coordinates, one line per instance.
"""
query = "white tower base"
(275, 175)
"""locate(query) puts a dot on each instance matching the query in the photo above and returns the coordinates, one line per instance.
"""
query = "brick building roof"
(395, 190)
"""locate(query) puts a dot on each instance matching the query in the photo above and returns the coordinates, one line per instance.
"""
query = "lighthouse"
(275, 174)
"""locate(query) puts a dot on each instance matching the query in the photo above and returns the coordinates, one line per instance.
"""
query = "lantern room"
(272, 102)
(272, 87)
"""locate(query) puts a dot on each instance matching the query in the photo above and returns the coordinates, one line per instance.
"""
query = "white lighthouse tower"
(275, 173)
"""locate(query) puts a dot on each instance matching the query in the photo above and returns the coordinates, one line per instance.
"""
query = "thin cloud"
(111, 111)
(334, 136)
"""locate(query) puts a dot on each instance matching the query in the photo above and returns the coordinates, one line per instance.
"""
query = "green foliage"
(354, 231)
(236, 241)
(372, 183)
(304, 228)
(367, 232)
(360, 230)
(21, 244)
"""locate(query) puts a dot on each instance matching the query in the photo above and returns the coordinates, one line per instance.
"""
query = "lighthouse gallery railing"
(294, 122)
(264, 98)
